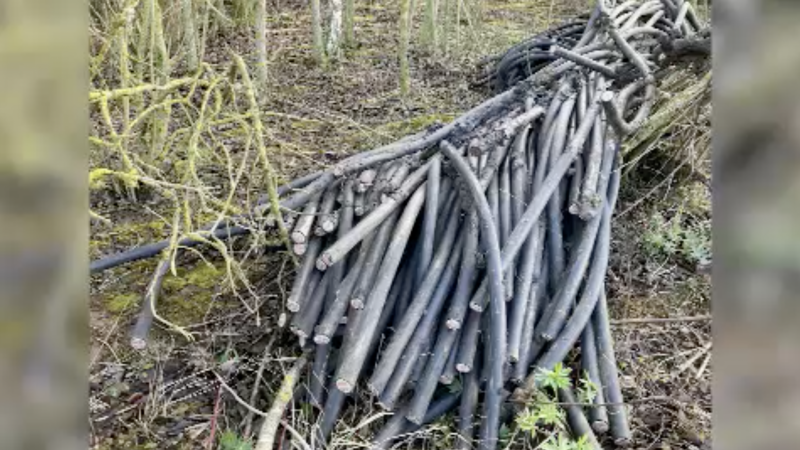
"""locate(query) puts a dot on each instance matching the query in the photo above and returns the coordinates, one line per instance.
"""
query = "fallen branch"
(660, 320)
(272, 419)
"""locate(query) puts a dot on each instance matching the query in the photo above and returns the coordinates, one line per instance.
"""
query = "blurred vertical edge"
(43, 211)
(756, 224)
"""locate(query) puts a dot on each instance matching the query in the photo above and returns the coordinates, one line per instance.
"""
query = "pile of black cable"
(476, 250)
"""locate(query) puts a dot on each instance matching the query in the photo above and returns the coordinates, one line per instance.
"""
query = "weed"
(229, 440)
(544, 418)
(555, 379)
(696, 244)
(696, 199)
(587, 391)
(455, 387)
(504, 436)
(550, 414)
(444, 438)
(527, 420)
(661, 237)
(671, 238)
(562, 442)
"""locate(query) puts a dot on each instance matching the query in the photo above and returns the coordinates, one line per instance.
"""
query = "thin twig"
(213, 426)
(248, 420)
(689, 362)
(266, 436)
(299, 437)
(655, 320)
(703, 366)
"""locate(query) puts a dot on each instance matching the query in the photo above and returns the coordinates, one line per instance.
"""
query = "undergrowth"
(178, 137)
(229, 440)
(542, 420)
(673, 238)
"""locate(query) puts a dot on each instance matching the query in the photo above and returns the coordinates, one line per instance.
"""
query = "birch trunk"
(189, 35)
(349, 21)
(316, 27)
(405, 25)
(335, 35)
(430, 33)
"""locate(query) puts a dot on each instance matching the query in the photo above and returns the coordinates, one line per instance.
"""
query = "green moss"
(97, 178)
(179, 167)
(185, 299)
(188, 297)
(122, 302)
(131, 231)
(203, 276)
(126, 234)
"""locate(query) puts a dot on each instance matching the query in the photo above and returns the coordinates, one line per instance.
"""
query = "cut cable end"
(138, 343)
(600, 426)
(344, 386)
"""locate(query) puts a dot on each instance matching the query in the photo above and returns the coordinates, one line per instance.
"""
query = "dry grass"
(659, 236)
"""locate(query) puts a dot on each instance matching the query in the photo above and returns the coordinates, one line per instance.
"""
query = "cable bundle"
(479, 248)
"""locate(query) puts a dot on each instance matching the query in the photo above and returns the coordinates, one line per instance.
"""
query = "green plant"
(696, 244)
(662, 237)
(442, 435)
(587, 391)
(696, 199)
(545, 417)
(527, 421)
(562, 442)
(543, 412)
(455, 387)
(504, 436)
(672, 238)
(555, 379)
(550, 414)
(229, 440)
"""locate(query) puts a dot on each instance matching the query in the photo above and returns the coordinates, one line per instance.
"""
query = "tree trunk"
(349, 22)
(159, 74)
(241, 11)
(189, 35)
(335, 35)
(261, 46)
(205, 21)
(144, 44)
(430, 33)
(443, 17)
(316, 26)
(405, 28)
(125, 75)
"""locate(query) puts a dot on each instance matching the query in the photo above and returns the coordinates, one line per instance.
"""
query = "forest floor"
(169, 395)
